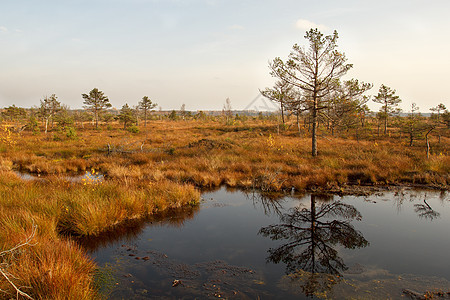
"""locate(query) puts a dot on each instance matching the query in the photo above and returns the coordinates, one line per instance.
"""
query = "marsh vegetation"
(164, 166)
(325, 140)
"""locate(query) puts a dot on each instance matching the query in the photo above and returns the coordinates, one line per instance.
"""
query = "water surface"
(89, 177)
(245, 246)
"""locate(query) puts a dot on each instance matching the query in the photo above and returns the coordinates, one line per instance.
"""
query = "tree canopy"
(126, 115)
(96, 102)
(146, 105)
(49, 107)
(386, 96)
(314, 71)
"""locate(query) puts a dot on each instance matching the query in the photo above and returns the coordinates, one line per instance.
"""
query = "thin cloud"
(303, 24)
(3, 29)
(236, 27)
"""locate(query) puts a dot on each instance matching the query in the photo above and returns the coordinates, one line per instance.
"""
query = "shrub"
(33, 126)
(71, 133)
(133, 129)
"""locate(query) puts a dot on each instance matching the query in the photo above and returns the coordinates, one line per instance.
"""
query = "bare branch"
(18, 291)
(25, 243)
(3, 266)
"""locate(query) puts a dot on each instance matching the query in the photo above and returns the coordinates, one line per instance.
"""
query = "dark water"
(244, 246)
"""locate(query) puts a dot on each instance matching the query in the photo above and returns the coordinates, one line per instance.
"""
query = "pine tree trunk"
(145, 116)
(385, 119)
(314, 129)
(428, 142)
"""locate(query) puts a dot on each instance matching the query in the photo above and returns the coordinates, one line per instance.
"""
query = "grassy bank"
(156, 169)
(50, 265)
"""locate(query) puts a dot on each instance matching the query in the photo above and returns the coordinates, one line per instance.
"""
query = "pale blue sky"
(199, 52)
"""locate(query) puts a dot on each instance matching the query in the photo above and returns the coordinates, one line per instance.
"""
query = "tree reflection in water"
(271, 203)
(311, 235)
(426, 211)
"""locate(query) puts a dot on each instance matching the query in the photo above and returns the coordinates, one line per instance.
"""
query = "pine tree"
(96, 102)
(146, 105)
(126, 115)
(386, 96)
(314, 72)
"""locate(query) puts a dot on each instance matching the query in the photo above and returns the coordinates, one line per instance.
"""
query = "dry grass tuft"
(53, 266)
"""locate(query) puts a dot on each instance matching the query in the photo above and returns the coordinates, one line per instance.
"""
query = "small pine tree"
(173, 115)
(96, 102)
(386, 96)
(126, 116)
(146, 105)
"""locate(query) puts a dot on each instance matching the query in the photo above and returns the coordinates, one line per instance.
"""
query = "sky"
(200, 52)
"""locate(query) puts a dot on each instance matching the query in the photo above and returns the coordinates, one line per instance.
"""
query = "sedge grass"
(53, 266)
(156, 170)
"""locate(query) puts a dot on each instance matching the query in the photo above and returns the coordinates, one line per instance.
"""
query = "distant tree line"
(97, 108)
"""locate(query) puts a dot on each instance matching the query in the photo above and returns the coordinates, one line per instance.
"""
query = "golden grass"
(156, 170)
(55, 267)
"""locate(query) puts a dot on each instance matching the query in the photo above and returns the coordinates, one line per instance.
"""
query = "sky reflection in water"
(241, 246)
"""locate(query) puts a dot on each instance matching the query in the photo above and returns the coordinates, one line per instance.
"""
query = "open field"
(162, 167)
(246, 155)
